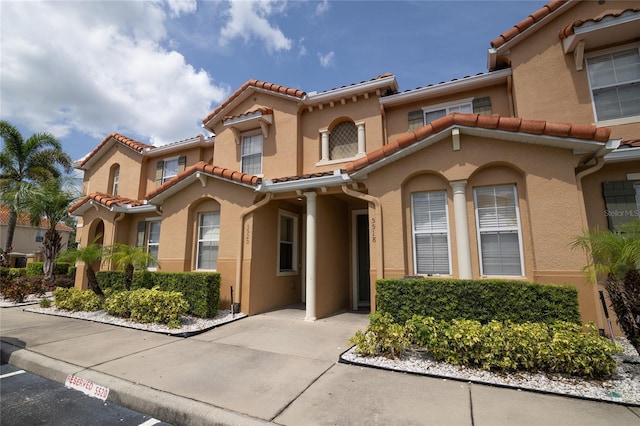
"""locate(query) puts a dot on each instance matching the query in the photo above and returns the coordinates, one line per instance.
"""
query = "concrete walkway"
(271, 368)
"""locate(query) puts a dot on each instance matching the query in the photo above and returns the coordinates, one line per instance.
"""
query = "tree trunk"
(128, 276)
(93, 281)
(624, 302)
(50, 248)
(11, 228)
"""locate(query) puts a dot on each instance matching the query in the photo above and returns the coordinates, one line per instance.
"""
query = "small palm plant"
(128, 258)
(616, 255)
(88, 255)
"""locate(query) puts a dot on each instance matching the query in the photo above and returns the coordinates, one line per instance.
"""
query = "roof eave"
(460, 85)
(336, 179)
(188, 180)
(624, 154)
(354, 89)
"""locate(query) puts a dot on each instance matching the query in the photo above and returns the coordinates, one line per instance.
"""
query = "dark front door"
(362, 260)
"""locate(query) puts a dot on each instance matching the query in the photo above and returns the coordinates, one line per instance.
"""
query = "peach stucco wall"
(97, 179)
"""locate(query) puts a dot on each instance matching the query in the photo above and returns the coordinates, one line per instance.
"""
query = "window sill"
(286, 273)
(340, 160)
(504, 277)
(618, 121)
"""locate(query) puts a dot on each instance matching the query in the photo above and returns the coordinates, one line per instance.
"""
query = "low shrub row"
(60, 268)
(481, 300)
(141, 305)
(18, 287)
(561, 347)
(200, 290)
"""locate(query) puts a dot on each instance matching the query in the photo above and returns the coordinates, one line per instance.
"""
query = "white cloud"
(98, 67)
(249, 19)
(179, 7)
(302, 50)
(322, 7)
(327, 59)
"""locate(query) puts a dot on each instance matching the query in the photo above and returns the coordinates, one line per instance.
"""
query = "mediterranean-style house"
(313, 196)
(27, 239)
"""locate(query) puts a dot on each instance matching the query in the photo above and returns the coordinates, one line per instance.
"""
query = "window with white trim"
(430, 233)
(433, 113)
(251, 154)
(343, 141)
(208, 240)
(287, 243)
(116, 180)
(170, 169)
(615, 83)
(153, 240)
(499, 236)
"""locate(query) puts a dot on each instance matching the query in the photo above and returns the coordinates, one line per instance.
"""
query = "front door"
(361, 262)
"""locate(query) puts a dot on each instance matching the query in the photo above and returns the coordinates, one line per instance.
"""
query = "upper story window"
(169, 168)
(426, 115)
(116, 180)
(39, 236)
(251, 154)
(615, 83)
(343, 141)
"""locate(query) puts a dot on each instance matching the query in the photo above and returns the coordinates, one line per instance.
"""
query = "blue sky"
(152, 70)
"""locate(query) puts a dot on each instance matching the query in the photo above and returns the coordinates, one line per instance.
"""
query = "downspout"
(243, 214)
(378, 238)
(586, 172)
(118, 217)
(512, 105)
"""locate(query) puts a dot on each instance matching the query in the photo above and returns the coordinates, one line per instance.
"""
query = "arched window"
(343, 141)
(114, 179)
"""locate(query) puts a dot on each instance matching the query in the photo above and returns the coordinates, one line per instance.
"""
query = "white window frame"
(202, 240)
(242, 157)
(447, 107)
(517, 228)
(294, 249)
(149, 223)
(430, 232)
(165, 176)
(116, 180)
(612, 121)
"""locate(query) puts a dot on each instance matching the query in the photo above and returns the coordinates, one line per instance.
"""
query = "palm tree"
(128, 258)
(616, 255)
(88, 255)
(51, 201)
(36, 160)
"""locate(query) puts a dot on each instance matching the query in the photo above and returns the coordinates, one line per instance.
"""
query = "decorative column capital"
(458, 186)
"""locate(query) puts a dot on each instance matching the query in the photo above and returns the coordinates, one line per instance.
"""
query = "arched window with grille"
(343, 141)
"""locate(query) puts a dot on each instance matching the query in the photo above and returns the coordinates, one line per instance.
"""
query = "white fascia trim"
(624, 154)
(188, 181)
(147, 208)
(448, 87)
(348, 91)
(492, 53)
(569, 43)
(179, 146)
(336, 179)
(248, 117)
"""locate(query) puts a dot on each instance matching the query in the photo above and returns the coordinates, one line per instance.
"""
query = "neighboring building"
(312, 197)
(27, 239)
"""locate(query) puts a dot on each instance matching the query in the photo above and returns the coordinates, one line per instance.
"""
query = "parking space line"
(150, 422)
(15, 373)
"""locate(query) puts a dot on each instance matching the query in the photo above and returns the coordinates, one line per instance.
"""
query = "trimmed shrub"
(144, 305)
(35, 268)
(481, 300)
(73, 299)
(17, 289)
(382, 337)
(110, 281)
(505, 346)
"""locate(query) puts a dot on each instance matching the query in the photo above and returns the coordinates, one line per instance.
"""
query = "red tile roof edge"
(631, 143)
(510, 124)
(301, 177)
(257, 84)
(221, 172)
(527, 23)
(24, 220)
(380, 77)
(107, 200)
(569, 30)
(131, 143)
(263, 111)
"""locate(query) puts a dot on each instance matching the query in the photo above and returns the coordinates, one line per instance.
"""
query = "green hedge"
(201, 290)
(481, 300)
(12, 273)
(73, 299)
(144, 305)
(61, 268)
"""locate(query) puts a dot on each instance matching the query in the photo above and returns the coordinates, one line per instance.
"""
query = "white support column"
(311, 257)
(462, 228)
(325, 144)
(361, 139)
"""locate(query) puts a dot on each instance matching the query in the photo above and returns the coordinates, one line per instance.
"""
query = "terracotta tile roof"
(633, 143)
(257, 84)
(263, 111)
(107, 200)
(23, 220)
(526, 23)
(301, 177)
(210, 169)
(510, 124)
(569, 30)
(131, 143)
